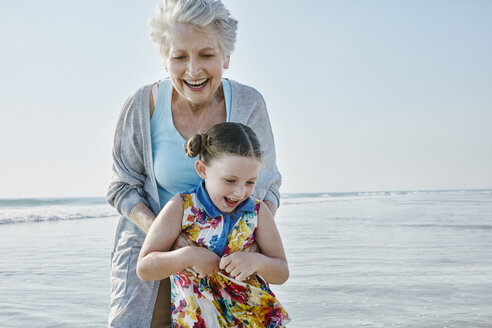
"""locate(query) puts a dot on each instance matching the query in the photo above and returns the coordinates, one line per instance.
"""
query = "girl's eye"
(230, 180)
(251, 182)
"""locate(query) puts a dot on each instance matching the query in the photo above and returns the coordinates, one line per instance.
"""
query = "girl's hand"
(240, 265)
(205, 262)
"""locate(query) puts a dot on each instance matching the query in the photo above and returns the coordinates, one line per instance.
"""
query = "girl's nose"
(239, 192)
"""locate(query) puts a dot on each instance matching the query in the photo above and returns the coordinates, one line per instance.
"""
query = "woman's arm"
(271, 264)
(157, 261)
(129, 173)
(270, 179)
(249, 108)
(142, 216)
(126, 191)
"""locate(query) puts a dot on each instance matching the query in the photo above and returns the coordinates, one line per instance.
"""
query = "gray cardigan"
(132, 301)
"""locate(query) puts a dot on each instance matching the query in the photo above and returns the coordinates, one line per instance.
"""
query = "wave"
(54, 213)
(306, 198)
(36, 202)
(57, 209)
(449, 226)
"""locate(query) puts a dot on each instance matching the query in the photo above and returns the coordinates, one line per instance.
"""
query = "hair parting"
(224, 138)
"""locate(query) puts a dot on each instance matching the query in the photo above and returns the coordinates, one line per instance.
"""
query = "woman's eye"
(251, 182)
(207, 55)
(179, 57)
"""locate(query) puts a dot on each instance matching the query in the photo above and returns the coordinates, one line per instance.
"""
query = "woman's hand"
(240, 265)
(254, 248)
(205, 262)
(181, 242)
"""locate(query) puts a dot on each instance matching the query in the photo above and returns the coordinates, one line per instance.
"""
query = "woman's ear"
(201, 168)
(226, 62)
(164, 61)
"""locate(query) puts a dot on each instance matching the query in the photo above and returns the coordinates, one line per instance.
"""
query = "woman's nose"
(194, 68)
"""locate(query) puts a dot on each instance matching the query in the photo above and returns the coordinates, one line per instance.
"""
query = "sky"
(362, 95)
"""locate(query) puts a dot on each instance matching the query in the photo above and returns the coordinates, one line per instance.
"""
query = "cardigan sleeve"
(268, 184)
(126, 188)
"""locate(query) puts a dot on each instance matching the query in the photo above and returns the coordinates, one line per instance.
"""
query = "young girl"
(217, 282)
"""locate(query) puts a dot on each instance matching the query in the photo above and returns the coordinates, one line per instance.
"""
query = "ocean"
(371, 259)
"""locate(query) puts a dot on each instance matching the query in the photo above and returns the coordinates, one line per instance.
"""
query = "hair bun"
(197, 145)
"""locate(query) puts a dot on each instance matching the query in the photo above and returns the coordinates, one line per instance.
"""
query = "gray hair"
(198, 13)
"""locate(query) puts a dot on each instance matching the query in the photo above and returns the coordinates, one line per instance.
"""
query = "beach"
(388, 259)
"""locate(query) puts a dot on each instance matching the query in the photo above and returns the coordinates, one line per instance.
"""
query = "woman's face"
(195, 63)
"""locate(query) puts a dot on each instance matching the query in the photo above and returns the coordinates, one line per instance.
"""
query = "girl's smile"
(229, 180)
(230, 202)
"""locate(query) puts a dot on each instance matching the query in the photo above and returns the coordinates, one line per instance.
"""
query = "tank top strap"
(162, 100)
(155, 90)
(226, 87)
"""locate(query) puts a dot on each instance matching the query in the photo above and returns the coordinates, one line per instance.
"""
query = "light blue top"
(174, 171)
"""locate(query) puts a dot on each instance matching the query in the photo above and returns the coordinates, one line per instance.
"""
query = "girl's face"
(229, 179)
(195, 63)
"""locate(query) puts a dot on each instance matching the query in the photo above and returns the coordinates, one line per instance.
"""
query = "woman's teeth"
(196, 84)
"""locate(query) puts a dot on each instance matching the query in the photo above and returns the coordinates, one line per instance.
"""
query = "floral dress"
(220, 300)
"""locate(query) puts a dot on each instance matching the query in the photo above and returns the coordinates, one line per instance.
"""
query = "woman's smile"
(196, 85)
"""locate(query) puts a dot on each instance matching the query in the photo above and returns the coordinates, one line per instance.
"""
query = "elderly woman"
(195, 39)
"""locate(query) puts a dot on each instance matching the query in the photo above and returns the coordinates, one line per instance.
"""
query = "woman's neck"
(189, 118)
(184, 104)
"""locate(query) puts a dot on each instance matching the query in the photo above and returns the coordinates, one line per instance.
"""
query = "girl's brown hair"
(224, 138)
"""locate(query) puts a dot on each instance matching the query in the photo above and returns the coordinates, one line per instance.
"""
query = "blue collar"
(248, 205)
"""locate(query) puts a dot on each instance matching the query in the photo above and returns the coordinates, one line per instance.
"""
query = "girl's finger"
(241, 276)
(224, 261)
(229, 268)
(234, 273)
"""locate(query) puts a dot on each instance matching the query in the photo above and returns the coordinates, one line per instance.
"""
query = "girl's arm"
(157, 261)
(271, 264)
(271, 207)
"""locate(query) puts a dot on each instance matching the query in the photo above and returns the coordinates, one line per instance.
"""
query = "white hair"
(198, 13)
